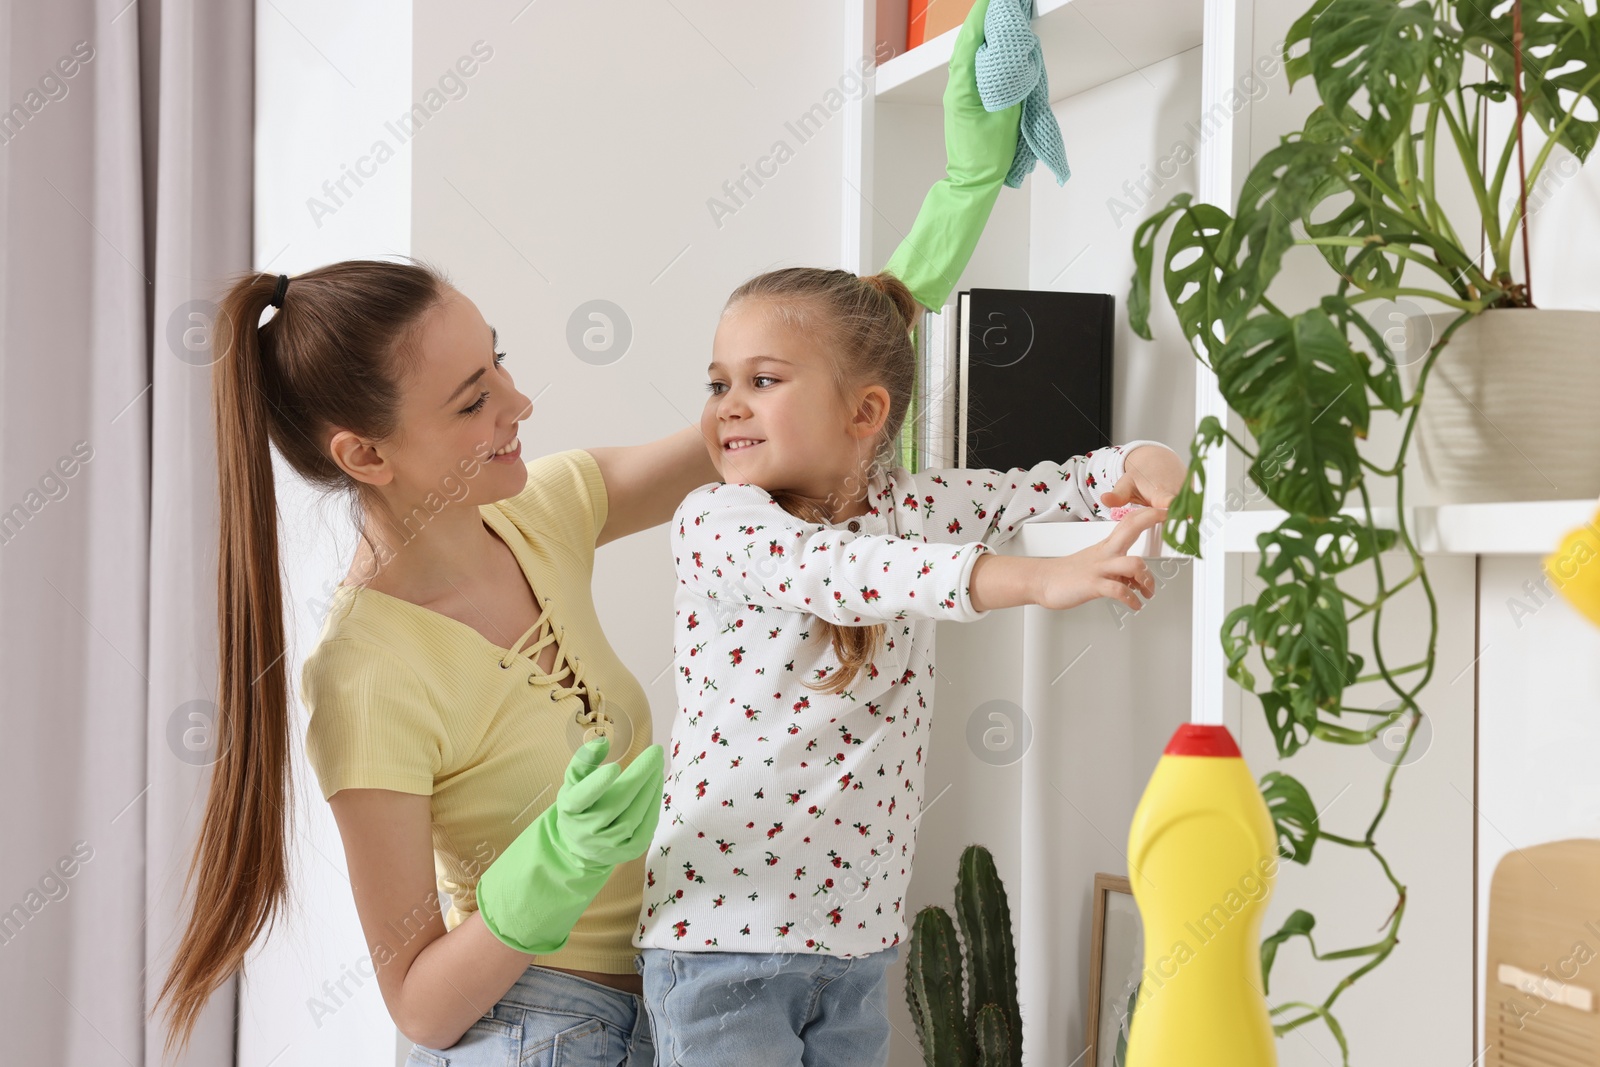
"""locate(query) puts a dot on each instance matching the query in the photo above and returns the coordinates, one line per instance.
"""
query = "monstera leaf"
(1294, 816)
(1302, 391)
(1376, 47)
(1186, 512)
(1299, 924)
(1279, 192)
(1560, 53)
(1199, 240)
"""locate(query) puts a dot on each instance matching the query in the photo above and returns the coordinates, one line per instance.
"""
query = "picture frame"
(1116, 961)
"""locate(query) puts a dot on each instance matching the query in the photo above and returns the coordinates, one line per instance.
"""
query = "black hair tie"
(277, 294)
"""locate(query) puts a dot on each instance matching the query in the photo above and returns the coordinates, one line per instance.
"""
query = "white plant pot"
(1512, 406)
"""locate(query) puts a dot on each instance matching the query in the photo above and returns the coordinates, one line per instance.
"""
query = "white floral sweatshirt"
(788, 821)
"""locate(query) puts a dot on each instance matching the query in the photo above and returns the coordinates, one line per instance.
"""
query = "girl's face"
(774, 417)
(457, 407)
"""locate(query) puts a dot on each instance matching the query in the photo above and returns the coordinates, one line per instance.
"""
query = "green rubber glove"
(979, 146)
(534, 892)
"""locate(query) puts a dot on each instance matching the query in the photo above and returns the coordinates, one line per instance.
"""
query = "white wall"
(579, 168)
(328, 77)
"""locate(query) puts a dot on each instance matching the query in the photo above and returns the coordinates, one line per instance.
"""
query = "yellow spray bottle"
(1202, 859)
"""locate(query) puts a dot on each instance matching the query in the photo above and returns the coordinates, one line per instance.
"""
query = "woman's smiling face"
(457, 407)
(774, 416)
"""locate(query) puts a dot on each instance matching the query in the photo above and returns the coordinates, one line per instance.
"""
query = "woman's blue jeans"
(551, 1019)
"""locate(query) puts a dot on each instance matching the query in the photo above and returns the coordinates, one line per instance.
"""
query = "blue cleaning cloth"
(1010, 67)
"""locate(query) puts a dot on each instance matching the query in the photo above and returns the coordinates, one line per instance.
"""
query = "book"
(931, 438)
(927, 19)
(1034, 375)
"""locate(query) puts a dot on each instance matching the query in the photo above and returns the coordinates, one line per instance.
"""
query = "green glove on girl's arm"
(531, 895)
(979, 147)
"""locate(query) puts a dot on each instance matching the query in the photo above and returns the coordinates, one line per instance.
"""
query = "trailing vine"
(1358, 185)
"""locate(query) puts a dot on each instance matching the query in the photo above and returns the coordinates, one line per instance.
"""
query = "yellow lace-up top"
(402, 697)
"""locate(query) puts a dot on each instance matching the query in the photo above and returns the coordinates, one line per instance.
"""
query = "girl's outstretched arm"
(644, 483)
(735, 546)
(965, 504)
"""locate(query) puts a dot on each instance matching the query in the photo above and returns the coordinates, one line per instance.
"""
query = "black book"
(1035, 376)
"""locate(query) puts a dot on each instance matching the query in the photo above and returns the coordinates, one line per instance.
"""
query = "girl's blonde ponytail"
(864, 323)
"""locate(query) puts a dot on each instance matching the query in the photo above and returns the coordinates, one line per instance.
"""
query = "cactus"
(985, 1031)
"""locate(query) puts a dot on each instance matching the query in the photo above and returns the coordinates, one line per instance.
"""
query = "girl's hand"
(1151, 475)
(1103, 570)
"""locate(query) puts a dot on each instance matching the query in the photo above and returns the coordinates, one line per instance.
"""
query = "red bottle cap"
(1193, 739)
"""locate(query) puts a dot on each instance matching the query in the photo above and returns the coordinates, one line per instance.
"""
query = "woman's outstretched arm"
(645, 483)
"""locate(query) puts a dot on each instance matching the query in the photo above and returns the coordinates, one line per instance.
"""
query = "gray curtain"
(125, 199)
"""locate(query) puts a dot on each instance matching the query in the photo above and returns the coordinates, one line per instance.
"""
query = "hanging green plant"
(1358, 183)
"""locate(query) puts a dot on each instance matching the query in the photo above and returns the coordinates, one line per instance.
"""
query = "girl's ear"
(871, 412)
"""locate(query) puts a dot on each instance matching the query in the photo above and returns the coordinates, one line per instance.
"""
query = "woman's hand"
(535, 891)
(1151, 475)
(1102, 570)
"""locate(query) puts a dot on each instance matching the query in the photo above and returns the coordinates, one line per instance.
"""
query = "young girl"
(810, 578)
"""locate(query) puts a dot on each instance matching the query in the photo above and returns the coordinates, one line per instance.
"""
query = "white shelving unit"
(1524, 528)
(1086, 43)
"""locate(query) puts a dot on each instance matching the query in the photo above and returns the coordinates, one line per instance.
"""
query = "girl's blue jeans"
(549, 1018)
(735, 1009)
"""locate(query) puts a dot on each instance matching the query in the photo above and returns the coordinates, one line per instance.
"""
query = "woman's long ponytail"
(327, 358)
(240, 864)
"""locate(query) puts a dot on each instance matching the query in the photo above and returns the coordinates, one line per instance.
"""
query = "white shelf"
(1504, 529)
(1064, 538)
(1086, 43)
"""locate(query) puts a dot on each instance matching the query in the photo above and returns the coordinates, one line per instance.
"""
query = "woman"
(381, 380)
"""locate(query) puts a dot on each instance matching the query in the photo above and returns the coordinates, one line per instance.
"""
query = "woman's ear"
(360, 459)
(871, 411)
